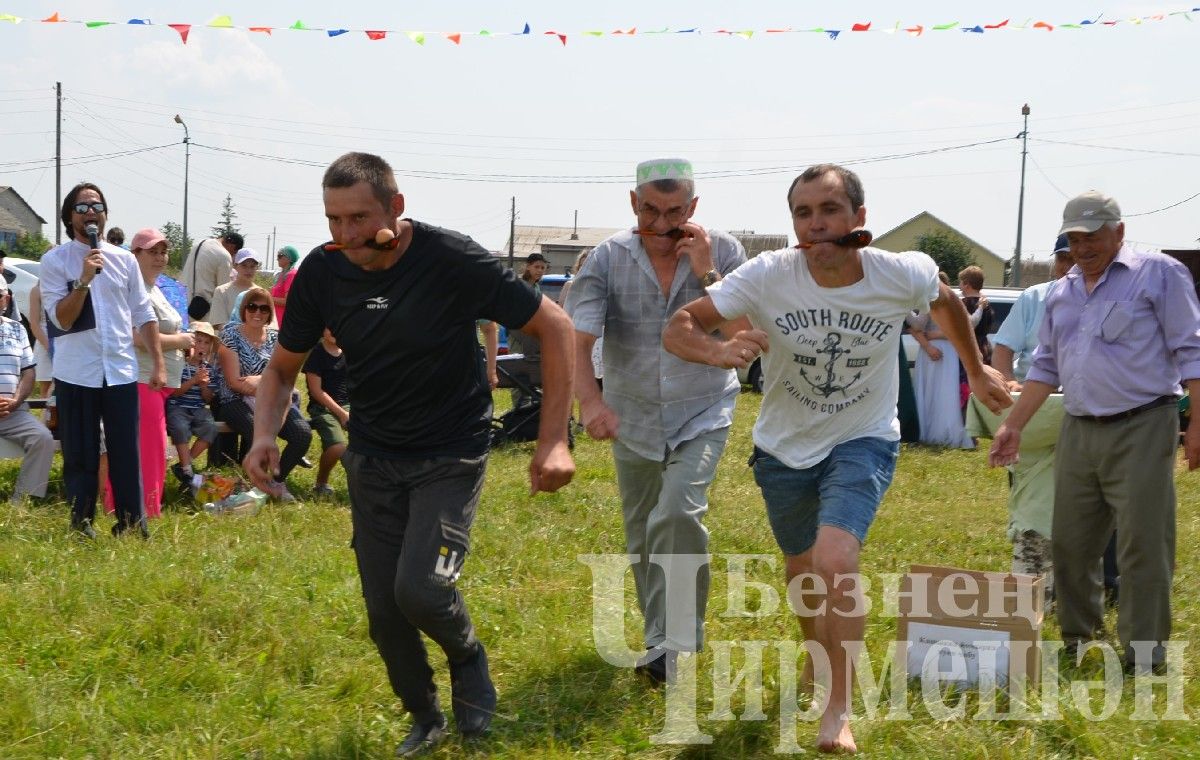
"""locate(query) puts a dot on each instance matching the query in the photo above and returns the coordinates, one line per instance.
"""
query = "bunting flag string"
(225, 22)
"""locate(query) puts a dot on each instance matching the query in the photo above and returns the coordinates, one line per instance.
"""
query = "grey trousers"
(28, 432)
(664, 503)
(1122, 474)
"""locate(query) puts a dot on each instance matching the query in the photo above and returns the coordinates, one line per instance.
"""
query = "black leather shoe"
(84, 528)
(423, 737)
(306, 463)
(474, 695)
(653, 665)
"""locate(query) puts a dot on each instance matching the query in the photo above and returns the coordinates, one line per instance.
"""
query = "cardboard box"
(984, 617)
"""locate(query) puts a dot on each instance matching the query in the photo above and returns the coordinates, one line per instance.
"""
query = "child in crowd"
(328, 406)
(187, 407)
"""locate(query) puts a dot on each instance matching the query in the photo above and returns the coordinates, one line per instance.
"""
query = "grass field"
(238, 637)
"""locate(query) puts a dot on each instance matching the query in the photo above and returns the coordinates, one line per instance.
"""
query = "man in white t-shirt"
(828, 317)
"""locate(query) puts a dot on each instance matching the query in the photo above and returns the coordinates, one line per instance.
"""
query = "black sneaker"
(182, 475)
(474, 695)
(423, 737)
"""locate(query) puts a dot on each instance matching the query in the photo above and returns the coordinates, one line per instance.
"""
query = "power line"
(604, 178)
(1118, 147)
(75, 161)
(1046, 176)
(1164, 208)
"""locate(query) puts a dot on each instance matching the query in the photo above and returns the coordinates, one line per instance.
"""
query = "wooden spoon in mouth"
(855, 239)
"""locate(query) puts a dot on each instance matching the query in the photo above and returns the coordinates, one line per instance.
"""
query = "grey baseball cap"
(1088, 212)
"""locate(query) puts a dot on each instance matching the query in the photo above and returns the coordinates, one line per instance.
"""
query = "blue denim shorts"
(842, 490)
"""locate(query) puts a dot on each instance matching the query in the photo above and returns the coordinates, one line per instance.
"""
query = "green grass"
(238, 637)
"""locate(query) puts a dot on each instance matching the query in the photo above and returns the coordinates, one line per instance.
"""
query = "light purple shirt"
(1128, 342)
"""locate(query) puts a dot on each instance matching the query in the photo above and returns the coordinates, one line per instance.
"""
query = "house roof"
(529, 238)
(6, 188)
(943, 223)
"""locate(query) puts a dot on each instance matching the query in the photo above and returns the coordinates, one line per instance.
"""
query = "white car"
(26, 272)
(1000, 299)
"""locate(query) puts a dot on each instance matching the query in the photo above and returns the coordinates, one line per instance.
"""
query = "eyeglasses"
(260, 307)
(648, 215)
(82, 208)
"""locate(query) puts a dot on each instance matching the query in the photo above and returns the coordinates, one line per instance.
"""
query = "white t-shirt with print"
(832, 372)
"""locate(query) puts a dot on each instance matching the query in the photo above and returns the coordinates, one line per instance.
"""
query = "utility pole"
(58, 162)
(512, 232)
(1016, 267)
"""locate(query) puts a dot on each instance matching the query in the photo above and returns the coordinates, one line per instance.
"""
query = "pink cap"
(146, 239)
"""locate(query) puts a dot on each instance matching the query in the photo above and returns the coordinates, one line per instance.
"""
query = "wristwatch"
(82, 286)
(710, 277)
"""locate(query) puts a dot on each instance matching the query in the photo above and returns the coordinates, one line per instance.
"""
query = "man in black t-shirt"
(404, 313)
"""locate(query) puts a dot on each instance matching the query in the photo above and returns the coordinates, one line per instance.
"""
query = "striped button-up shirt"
(660, 400)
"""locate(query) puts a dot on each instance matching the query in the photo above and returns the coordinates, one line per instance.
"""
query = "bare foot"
(835, 735)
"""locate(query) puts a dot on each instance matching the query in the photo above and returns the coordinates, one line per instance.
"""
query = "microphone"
(93, 233)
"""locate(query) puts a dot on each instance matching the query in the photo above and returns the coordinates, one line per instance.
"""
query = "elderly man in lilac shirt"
(1121, 331)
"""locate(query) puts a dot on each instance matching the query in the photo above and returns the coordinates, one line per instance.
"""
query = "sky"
(929, 122)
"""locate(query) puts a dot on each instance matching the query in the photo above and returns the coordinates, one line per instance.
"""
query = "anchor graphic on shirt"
(826, 386)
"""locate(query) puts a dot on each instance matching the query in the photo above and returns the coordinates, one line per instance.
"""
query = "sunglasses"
(262, 307)
(82, 208)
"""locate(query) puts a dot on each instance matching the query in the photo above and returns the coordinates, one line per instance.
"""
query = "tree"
(228, 221)
(951, 253)
(177, 248)
(30, 246)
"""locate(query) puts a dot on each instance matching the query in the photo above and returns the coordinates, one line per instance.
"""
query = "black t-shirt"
(332, 371)
(417, 380)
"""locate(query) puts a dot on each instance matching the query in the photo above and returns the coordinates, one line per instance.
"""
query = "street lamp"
(187, 159)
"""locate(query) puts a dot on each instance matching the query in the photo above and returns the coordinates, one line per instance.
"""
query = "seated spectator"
(245, 266)
(244, 352)
(16, 422)
(187, 409)
(328, 406)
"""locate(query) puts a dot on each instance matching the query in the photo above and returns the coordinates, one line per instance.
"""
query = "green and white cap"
(664, 168)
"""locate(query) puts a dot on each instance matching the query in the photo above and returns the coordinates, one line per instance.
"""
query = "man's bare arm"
(689, 336)
(552, 466)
